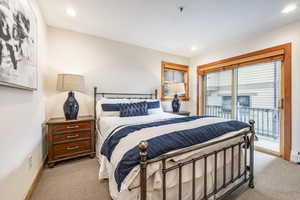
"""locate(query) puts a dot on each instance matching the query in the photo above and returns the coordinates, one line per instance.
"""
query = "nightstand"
(185, 113)
(70, 139)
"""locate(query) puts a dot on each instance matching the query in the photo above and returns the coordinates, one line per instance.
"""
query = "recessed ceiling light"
(194, 48)
(289, 9)
(71, 12)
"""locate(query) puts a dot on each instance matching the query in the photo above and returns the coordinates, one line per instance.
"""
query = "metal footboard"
(246, 174)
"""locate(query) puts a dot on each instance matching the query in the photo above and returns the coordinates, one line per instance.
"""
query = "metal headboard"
(117, 95)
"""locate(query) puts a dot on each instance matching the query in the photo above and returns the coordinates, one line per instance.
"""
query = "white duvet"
(107, 124)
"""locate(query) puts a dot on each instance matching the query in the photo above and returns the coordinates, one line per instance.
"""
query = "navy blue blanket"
(165, 143)
(111, 142)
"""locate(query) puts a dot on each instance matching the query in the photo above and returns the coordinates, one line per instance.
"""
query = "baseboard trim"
(35, 181)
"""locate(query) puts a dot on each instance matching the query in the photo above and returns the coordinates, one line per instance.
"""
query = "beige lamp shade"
(70, 82)
(176, 88)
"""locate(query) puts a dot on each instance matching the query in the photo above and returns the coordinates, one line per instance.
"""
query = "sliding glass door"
(258, 86)
(248, 92)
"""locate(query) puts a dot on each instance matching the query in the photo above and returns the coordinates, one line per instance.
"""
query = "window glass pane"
(171, 76)
(166, 90)
(178, 77)
(168, 75)
(218, 94)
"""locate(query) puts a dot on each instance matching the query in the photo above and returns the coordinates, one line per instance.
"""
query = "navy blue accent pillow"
(110, 107)
(133, 109)
(153, 104)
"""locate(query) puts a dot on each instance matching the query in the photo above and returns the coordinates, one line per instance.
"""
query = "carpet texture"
(275, 179)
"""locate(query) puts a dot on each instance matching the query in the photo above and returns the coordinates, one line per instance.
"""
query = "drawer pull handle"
(72, 148)
(72, 136)
(70, 127)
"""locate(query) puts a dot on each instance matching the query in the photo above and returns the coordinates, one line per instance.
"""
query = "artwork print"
(18, 63)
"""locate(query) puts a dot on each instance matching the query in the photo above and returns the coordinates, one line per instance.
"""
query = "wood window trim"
(286, 83)
(175, 67)
(230, 63)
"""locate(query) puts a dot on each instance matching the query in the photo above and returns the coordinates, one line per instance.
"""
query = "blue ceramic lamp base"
(176, 104)
(71, 107)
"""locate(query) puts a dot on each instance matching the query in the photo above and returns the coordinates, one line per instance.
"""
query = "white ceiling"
(158, 24)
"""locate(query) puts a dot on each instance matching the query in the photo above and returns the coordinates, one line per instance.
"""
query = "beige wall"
(112, 66)
(22, 115)
(289, 33)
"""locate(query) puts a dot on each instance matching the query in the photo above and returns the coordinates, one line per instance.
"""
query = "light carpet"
(275, 179)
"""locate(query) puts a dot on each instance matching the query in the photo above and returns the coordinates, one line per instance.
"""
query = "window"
(242, 101)
(226, 103)
(173, 73)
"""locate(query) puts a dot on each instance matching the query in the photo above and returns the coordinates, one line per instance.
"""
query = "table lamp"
(176, 89)
(70, 83)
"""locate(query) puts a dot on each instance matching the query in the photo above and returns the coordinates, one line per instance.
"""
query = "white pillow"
(101, 112)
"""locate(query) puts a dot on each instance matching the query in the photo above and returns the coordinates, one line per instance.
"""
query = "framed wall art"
(18, 44)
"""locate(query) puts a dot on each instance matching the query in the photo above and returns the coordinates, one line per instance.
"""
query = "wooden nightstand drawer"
(62, 150)
(75, 126)
(69, 137)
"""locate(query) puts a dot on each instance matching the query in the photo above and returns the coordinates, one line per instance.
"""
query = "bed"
(167, 156)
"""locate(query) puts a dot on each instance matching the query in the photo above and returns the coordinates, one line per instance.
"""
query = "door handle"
(281, 103)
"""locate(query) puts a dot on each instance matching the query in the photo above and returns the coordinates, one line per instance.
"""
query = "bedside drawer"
(76, 126)
(69, 137)
(62, 150)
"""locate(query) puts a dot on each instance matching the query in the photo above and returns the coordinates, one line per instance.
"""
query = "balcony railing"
(266, 120)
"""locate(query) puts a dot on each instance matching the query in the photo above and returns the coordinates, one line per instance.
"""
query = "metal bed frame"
(246, 175)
